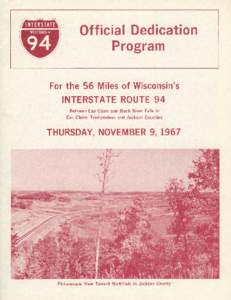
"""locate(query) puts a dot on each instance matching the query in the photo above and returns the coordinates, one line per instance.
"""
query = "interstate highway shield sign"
(40, 37)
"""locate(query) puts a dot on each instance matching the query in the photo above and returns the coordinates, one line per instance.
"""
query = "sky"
(133, 170)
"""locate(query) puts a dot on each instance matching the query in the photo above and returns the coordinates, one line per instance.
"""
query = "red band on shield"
(40, 37)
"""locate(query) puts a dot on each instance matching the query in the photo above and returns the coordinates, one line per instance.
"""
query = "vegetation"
(189, 250)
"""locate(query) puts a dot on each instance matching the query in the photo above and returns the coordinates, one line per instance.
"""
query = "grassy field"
(45, 211)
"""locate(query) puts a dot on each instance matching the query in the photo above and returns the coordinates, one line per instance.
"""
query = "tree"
(130, 254)
(196, 218)
(60, 255)
(42, 261)
(181, 207)
(204, 191)
(205, 174)
(73, 255)
(105, 161)
(14, 253)
(14, 248)
(204, 182)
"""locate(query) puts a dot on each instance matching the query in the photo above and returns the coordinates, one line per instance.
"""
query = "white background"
(201, 108)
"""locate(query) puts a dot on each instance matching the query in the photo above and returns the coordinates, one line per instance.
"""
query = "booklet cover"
(115, 150)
